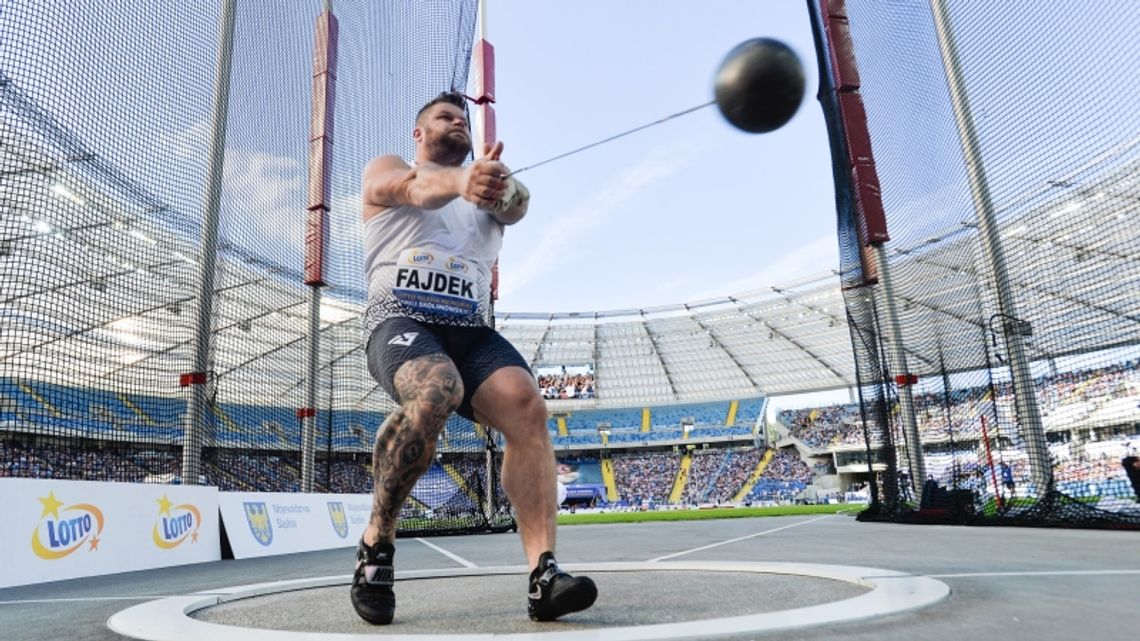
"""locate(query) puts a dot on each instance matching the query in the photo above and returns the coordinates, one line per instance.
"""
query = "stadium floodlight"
(127, 330)
(1067, 208)
(142, 237)
(64, 191)
(335, 314)
(130, 357)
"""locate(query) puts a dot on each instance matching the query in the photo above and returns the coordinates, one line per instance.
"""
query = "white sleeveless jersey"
(431, 265)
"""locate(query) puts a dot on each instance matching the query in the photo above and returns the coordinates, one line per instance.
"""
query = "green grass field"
(989, 508)
(711, 513)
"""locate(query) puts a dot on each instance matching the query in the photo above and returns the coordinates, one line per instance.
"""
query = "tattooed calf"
(429, 390)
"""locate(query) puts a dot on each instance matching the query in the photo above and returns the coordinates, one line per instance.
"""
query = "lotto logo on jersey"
(422, 258)
(456, 265)
(175, 524)
(65, 529)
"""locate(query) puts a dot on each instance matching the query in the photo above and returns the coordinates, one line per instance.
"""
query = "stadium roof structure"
(99, 285)
(780, 340)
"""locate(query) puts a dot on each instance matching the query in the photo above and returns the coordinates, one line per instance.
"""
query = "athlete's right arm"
(390, 182)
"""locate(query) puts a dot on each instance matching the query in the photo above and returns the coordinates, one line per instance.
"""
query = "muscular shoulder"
(384, 164)
(381, 176)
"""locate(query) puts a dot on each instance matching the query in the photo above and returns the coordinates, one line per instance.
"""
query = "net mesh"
(104, 162)
(1045, 96)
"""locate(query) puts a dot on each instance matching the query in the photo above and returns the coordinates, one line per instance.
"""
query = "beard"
(448, 149)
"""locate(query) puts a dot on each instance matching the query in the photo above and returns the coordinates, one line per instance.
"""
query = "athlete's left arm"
(511, 208)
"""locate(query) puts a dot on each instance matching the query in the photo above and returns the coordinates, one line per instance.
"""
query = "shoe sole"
(376, 614)
(376, 618)
(570, 602)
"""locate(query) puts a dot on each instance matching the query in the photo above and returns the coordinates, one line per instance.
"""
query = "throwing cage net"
(180, 231)
(996, 332)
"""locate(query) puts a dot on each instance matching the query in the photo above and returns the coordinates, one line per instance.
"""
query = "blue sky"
(687, 210)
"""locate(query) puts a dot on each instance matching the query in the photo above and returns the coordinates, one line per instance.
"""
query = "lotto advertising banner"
(54, 530)
(268, 523)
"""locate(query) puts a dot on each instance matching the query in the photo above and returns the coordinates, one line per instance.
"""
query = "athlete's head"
(442, 133)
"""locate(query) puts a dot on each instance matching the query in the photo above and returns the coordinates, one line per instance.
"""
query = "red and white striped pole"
(482, 86)
(317, 221)
(483, 91)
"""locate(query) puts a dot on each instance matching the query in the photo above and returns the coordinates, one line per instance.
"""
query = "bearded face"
(444, 134)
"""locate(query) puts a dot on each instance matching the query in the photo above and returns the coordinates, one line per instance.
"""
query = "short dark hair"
(448, 97)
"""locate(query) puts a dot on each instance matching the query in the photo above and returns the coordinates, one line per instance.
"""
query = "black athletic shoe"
(372, 595)
(554, 593)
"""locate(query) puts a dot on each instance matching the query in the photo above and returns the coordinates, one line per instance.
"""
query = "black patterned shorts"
(476, 351)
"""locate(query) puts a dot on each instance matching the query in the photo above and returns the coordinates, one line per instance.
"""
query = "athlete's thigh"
(494, 373)
(408, 360)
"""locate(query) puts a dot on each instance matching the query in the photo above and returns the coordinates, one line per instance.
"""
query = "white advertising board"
(268, 523)
(54, 530)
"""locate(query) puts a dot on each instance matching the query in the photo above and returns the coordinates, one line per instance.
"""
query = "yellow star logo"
(94, 544)
(51, 505)
(164, 505)
(194, 537)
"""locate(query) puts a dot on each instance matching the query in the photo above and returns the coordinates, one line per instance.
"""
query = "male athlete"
(432, 230)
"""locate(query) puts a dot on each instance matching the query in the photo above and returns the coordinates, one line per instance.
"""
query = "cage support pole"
(1024, 394)
(197, 379)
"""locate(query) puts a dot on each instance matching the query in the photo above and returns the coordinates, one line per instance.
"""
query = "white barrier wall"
(55, 530)
(268, 523)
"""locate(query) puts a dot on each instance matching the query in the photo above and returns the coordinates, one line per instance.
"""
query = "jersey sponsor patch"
(435, 284)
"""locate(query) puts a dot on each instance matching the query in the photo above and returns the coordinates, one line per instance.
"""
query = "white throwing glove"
(516, 194)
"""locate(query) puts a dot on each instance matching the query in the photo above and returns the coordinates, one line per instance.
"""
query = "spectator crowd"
(646, 477)
(1065, 400)
(566, 386)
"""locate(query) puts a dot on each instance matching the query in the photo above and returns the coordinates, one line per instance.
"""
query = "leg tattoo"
(429, 390)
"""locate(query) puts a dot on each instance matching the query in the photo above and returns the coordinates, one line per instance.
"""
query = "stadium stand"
(785, 476)
(645, 477)
(718, 474)
(108, 422)
(706, 469)
(665, 423)
(1091, 398)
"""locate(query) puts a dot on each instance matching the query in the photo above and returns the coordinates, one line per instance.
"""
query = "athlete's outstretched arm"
(390, 182)
(429, 389)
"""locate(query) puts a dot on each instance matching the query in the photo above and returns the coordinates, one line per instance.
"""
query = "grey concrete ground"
(491, 604)
(1018, 584)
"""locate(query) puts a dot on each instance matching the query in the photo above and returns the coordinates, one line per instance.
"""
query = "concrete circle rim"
(891, 592)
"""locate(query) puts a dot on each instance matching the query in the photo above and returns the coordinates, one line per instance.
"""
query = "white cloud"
(265, 204)
(185, 146)
(555, 247)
